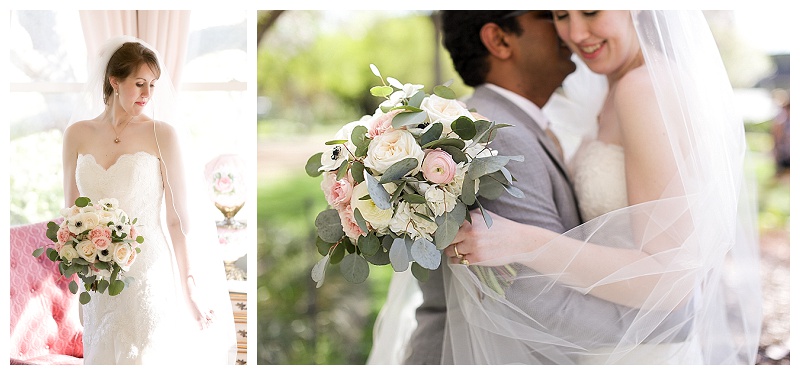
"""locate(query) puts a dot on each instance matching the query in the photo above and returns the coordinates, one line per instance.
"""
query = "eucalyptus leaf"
(336, 142)
(358, 135)
(38, 252)
(381, 258)
(360, 220)
(464, 127)
(486, 217)
(448, 224)
(355, 268)
(73, 287)
(414, 198)
(318, 271)
(444, 92)
(357, 171)
(338, 252)
(490, 188)
(399, 170)
(82, 201)
(431, 134)
(426, 254)
(455, 142)
(323, 248)
(409, 118)
(369, 244)
(420, 273)
(381, 91)
(377, 192)
(398, 255)
(483, 166)
(416, 100)
(514, 191)
(84, 298)
(102, 285)
(52, 231)
(458, 155)
(468, 192)
(342, 171)
(313, 165)
(329, 226)
(375, 70)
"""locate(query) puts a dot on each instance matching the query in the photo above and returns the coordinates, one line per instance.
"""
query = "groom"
(515, 61)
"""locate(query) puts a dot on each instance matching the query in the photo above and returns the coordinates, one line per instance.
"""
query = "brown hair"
(129, 57)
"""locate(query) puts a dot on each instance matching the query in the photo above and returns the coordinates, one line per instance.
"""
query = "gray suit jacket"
(548, 203)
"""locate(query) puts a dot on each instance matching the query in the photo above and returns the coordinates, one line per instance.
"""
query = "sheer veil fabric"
(697, 295)
(217, 343)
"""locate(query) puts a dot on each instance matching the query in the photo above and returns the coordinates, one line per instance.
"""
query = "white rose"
(71, 211)
(379, 219)
(86, 250)
(121, 253)
(68, 253)
(106, 217)
(391, 147)
(405, 221)
(440, 200)
(444, 110)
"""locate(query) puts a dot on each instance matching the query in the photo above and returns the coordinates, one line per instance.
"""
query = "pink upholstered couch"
(45, 326)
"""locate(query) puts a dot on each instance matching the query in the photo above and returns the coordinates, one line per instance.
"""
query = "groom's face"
(543, 56)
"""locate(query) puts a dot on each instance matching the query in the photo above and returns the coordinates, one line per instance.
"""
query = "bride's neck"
(118, 117)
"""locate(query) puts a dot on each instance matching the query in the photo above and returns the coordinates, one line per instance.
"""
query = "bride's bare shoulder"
(80, 130)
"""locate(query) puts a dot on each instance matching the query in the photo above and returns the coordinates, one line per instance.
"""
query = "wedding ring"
(455, 250)
(464, 261)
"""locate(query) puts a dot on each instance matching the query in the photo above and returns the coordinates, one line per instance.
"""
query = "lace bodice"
(134, 179)
(598, 175)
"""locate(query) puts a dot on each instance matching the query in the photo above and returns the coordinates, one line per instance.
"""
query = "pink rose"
(64, 235)
(351, 228)
(100, 237)
(132, 233)
(382, 123)
(101, 243)
(438, 167)
(224, 184)
(337, 193)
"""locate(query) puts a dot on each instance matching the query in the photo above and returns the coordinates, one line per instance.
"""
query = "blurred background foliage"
(313, 77)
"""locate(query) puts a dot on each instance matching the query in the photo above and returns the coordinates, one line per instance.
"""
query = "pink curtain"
(166, 30)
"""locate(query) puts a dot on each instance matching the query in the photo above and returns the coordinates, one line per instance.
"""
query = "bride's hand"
(476, 243)
(204, 316)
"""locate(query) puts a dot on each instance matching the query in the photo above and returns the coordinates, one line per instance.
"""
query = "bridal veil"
(696, 296)
(190, 203)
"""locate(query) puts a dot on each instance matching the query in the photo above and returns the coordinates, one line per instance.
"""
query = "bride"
(669, 234)
(176, 308)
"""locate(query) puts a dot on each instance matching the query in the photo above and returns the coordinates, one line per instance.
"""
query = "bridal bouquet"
(96, 241)
(400, 182)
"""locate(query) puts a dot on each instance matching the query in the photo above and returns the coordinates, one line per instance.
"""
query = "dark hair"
(461, 37)
(124, 62)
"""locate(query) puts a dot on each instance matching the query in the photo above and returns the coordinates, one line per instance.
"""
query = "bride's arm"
(69, 161)
(650, 175)
(178, 219)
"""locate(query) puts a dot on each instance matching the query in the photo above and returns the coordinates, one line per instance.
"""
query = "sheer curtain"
(152, 26)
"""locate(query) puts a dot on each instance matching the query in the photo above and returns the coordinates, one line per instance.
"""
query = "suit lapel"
(548, 145)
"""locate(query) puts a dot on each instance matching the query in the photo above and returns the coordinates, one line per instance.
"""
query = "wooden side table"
(239, 303)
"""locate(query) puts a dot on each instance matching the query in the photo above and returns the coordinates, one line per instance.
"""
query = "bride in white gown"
(175, 309)
(669, 235)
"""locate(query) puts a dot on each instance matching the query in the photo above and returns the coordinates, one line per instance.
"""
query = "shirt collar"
(526, 105)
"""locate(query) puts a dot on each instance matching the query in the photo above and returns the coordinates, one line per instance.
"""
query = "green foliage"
(297, 322)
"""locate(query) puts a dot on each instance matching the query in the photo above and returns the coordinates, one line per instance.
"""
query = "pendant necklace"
(116, 139)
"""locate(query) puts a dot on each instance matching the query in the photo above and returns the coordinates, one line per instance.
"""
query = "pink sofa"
(45, 325)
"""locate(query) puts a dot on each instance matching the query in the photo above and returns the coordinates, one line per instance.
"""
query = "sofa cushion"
(45, 323)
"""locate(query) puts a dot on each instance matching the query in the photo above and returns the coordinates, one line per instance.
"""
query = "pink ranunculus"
(438, 167)
(382, 124)
(341, 192)
(64, 235)
(351, 228)
(224, 184)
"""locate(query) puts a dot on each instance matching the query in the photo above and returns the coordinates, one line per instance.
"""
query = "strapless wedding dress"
(148, 322)
(598, 177)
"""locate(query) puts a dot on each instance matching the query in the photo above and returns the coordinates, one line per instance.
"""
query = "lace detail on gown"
(142, 324)
(598, 176)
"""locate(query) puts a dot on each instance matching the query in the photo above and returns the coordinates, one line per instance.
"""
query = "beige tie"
(555, 141)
